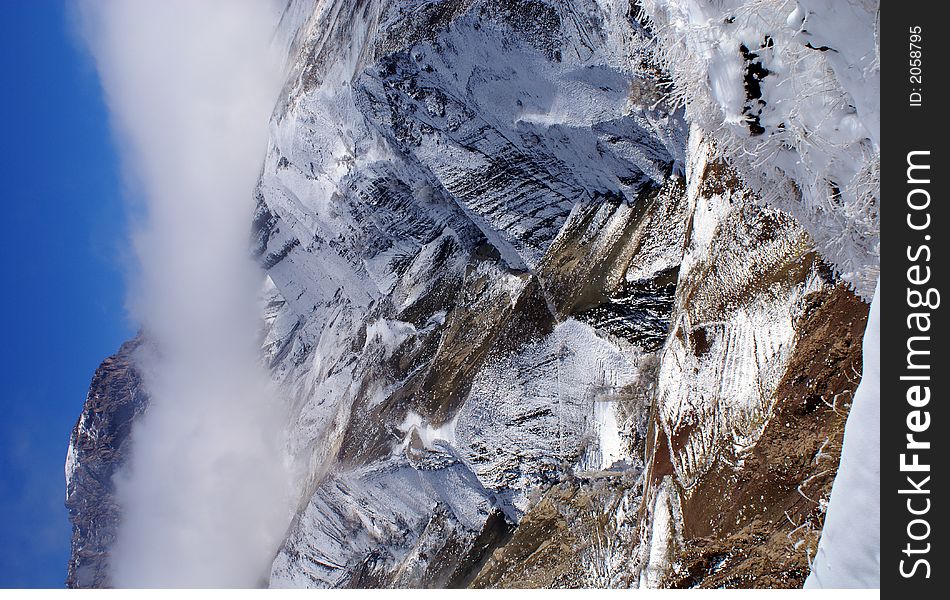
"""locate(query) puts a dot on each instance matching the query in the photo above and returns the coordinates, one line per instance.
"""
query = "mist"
(190, 85)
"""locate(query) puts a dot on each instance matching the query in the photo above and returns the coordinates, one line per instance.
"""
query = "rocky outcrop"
(754, 518)
(581, 533)
(755, 383)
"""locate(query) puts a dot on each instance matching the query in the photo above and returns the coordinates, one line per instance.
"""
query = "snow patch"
(849, 552)
(429, 435)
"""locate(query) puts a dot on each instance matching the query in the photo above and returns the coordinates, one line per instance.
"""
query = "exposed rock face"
(530, 336)
(582, 533)
(98, 447)
(755, 383)
(756, 524)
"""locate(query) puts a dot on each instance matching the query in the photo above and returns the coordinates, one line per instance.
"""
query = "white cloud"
(190, 86)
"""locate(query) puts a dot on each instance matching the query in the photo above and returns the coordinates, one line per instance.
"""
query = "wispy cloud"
(190, 86)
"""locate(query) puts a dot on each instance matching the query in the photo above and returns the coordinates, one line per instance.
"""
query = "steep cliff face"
(754, 386)
(743, 419)
(98, 447)
(533, 331)
(472, 231)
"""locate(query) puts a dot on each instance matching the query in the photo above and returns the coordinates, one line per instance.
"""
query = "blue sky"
(62, 300)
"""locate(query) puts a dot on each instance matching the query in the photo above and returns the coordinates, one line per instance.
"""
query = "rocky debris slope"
(582, 532)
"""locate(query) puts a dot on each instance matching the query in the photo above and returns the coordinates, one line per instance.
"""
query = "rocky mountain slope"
(534, 330)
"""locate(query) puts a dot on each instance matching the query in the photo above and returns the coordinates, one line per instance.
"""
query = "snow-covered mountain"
(540, 323)
(99, 445)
